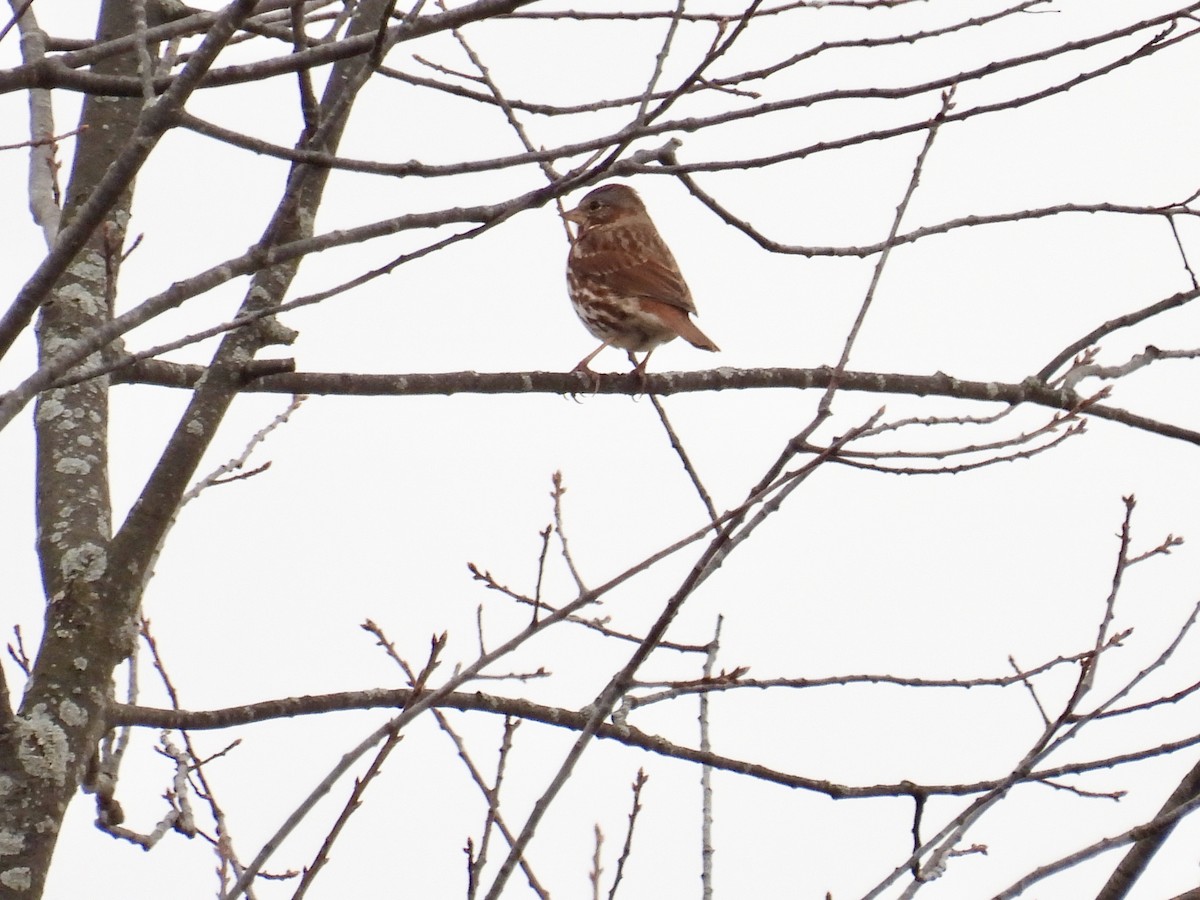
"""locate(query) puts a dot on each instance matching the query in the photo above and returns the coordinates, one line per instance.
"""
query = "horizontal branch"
(81, 53)
(720, 16)
(911, 237)
(140, 716)
(350, 384)
(71, 353)
(58, 72)
(120, 715)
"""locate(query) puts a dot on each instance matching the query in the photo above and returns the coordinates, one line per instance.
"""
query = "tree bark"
(49, 742)
(47, 746)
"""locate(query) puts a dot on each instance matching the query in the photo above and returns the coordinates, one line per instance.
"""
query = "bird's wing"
(635, 262)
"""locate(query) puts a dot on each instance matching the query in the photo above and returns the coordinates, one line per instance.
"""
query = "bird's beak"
(574, 215)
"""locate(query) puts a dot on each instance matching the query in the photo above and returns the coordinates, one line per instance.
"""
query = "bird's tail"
(696, 337)
(681, 323)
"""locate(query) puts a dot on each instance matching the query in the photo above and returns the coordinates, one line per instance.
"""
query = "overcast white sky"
(373, 507)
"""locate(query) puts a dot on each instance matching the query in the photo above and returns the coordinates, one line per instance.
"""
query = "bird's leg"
(582, 368)
(582, 365)
(639, 368)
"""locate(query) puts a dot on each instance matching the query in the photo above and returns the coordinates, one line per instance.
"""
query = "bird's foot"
(639, 372)
(593, 379)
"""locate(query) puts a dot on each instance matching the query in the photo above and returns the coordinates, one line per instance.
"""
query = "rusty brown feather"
(623, 281)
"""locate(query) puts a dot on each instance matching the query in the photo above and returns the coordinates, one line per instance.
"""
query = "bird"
(623, 281)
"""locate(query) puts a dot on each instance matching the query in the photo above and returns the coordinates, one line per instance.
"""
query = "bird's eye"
(594, 205)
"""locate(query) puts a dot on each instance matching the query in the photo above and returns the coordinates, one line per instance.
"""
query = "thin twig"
(706, 791)
(352, 803)
(627, 848)
(677, 445)
(1028, 682)
(885, 255)
(557, 494)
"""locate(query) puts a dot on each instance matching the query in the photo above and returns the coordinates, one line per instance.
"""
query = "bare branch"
(1164, 821)
(627, 848)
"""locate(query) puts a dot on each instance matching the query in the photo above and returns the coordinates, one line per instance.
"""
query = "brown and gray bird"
(624, 283)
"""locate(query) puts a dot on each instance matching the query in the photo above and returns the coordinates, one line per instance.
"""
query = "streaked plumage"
(624, 283)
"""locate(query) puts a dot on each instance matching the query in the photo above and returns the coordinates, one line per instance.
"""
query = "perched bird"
(624, 283)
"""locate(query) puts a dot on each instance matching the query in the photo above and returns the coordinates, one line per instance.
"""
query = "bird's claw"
(594, 377)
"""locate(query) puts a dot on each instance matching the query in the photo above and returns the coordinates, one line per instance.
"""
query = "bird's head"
(605, 205)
